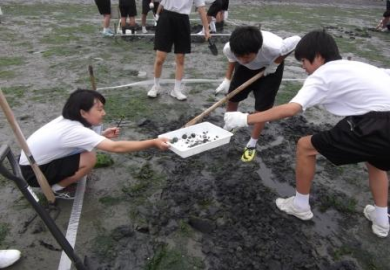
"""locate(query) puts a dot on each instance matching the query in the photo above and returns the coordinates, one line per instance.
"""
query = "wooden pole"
(92, 77)
(47, 191)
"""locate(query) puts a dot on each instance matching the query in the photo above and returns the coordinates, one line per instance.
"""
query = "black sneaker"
(65, 194)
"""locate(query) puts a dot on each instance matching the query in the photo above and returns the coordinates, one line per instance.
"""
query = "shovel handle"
(232, 94)
(47, 191)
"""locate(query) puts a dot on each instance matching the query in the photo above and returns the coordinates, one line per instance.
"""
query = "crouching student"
(173, 29)
(63, 148)
(249, 51)
(355, 90)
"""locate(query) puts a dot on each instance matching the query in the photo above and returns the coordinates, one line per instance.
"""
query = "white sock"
(143, 27)
(301, 201)
(177, 84)
(156, 81)
(381, 215)
(57, 187)
(252, 143)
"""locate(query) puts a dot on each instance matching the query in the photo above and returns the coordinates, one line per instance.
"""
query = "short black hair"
(245, 40)
(386, 13)
(317, 42)
(81, 99)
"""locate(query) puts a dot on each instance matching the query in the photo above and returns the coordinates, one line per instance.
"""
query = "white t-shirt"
(60, 138)
(181, 6)
(346, 88)
(273, 47)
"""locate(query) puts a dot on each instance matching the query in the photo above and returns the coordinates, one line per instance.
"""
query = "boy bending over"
(355, 90)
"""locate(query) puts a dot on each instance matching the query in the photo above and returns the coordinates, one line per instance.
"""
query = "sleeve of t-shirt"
(313, 92)
(289, 44)
(228, 53)
(387, 71)
(199, 3)
(82, 137)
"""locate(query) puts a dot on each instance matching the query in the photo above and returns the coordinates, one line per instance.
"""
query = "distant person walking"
(173, 29)
(104, 7)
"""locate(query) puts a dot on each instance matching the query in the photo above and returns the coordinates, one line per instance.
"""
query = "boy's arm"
(238, 119)
(132, 146)
(203, 17)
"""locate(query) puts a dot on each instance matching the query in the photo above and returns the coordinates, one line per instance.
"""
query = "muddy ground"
(155, 210)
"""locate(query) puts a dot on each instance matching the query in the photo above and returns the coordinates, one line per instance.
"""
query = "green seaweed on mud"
(287, 91)
(14, 94)
(4, 229)
(166, 258)
(105, 246)
(110, 200)
(344, 205)
(103, 160)
(6, 61)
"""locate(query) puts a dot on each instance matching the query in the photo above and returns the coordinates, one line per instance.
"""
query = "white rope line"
(74, 220)
(171, 81)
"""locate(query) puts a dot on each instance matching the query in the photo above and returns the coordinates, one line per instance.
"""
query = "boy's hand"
(270, 69)
(235, 120)
(223, 87)
(110, 133)
(161, 143)
(151, 5)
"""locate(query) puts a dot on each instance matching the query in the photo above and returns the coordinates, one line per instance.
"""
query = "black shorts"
(146, 8)
(55, 171)
(364, 138)
(173, 29)
(217, 6)
(127, 8)
(264, 89)
(104, 6)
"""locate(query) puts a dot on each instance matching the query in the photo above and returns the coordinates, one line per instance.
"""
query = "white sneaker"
(154, 91)
(8, 257)
(107, 32)
(176, 93)
(287, 206)
(144, 31)
(379, 230)
(201, 33)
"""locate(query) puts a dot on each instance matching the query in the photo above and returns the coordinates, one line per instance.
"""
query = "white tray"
(200, 137)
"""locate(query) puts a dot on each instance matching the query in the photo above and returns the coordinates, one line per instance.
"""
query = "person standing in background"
(104, 7)
(173, 28)
(127, 8)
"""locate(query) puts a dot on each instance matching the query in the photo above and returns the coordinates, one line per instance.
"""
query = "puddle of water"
(281, 189)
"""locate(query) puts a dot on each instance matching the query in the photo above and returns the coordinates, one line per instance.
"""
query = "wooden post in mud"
(47, 191)
(92, 77)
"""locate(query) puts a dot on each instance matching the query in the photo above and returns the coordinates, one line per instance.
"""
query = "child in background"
(217, 12)
(128, 9)
(357, 91)
(104, 7)
(173, 29)
(148, 5)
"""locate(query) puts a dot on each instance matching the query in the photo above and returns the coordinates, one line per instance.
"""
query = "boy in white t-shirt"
(63, 148)
(173, 29)
(249, 51)
(355, 90)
